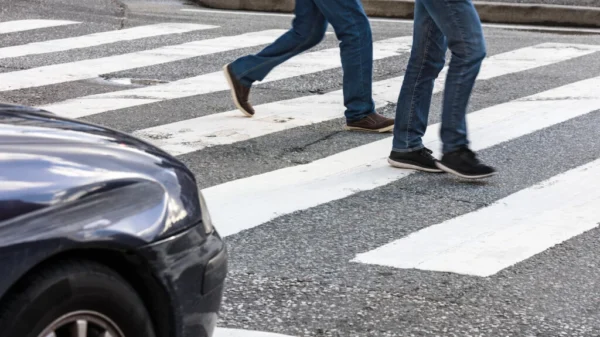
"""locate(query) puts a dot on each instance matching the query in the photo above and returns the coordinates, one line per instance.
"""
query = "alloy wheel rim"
(82, 324)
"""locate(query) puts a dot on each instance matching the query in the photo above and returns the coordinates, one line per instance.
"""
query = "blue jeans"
(351, 27)
(439, 25)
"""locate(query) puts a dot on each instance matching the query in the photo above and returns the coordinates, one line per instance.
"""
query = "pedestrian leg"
(353, 30)
(426, 61)
(308, 29)
(460, 23)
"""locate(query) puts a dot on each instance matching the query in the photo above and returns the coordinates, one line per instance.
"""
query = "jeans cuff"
(411, 149)
(245, 82)
(356, 119)
(454, 147)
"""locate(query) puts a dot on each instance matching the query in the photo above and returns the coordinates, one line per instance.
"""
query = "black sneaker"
(464, 163)
(421, 160)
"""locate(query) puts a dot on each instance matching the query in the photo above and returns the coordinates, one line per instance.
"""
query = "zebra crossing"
(25, 25)
(195, 134)
(365, 167)
(497, 236)
(482, 242)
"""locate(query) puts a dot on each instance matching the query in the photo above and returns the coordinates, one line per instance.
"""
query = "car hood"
(47, 161)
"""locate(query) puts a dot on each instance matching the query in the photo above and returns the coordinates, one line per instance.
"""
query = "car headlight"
(206, 220)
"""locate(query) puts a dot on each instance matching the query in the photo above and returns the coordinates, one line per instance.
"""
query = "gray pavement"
(292, 275)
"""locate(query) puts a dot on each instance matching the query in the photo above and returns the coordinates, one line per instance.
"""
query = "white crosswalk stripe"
(81, 70)
(511, 230)
(25, 25)
(527, 222)
(86, 41)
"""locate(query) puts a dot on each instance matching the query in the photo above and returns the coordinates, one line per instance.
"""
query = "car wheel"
(74, 299)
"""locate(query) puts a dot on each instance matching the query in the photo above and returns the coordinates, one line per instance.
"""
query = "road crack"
(478, 204)
(12, 68)
(318, 140)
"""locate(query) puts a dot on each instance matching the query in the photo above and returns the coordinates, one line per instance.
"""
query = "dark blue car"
(101, 235)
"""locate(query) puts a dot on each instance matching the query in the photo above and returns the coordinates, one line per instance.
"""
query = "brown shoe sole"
(232, 90)
(382, 130)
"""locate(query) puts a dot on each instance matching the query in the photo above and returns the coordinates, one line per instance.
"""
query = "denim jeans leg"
(460, 23)
(426, 60)
(308, 29)
(353, 30)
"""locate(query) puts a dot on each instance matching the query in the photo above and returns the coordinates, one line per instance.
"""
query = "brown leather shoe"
(373, 122)
(239, 92)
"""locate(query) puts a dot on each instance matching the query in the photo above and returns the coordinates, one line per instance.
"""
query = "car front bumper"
(192, 268)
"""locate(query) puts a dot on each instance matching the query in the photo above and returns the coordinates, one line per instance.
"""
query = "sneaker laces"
(469, 155)
(427, 153)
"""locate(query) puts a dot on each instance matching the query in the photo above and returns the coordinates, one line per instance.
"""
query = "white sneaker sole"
(412, 167)
(382, 130)
(449, 170)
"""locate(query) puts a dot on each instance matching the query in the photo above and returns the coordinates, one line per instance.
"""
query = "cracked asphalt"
(292, 275)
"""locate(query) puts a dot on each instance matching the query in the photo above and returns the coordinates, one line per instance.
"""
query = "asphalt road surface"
(325, 238)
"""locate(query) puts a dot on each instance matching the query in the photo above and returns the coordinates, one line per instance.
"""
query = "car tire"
(74, 290)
